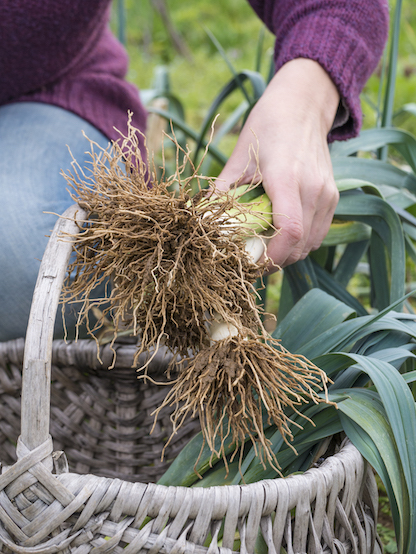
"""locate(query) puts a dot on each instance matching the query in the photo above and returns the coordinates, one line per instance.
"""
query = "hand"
(289, 127)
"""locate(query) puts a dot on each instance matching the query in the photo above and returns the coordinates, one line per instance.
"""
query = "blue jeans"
(34, 141)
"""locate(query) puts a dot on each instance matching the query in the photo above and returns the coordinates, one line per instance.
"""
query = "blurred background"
(176, 35)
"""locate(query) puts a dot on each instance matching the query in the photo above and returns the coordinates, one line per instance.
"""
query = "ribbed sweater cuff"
(345, 58)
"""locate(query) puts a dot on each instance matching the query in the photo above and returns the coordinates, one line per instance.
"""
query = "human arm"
(291, 128)
(293, 120)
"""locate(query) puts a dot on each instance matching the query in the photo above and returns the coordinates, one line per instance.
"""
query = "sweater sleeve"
(346, 37)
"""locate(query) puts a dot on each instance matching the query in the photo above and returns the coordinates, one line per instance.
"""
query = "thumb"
(240, 167)
(228, 176)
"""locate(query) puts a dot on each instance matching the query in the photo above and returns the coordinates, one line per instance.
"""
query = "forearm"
(346, 37)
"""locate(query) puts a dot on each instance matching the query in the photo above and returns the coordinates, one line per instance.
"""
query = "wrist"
(306, 90)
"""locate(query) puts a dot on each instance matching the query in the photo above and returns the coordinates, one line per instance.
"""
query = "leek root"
(181, 274)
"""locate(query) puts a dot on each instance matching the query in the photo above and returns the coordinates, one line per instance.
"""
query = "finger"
(322, 219)
(320, 228)
(241, 166)
(293, 222)
(309, 210)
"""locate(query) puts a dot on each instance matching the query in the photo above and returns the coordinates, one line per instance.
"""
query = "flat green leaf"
(386, 323)
(350, 377)
(344, 335)
(325, 424)
(382, 338)
(219, 475)
(335, 338)
(400, 410)
(315, 313)
(377, 213)
(348, 262)
(286, 301)
(399, 198)
(379, 275)
(395, 356)
(366, 425)
(353, 184)
(195, 458)
(410, 377)
(346, 232)
(328, 284)
(410, 248)
(374, 171)
(387, 113)
(301, 278)
(332, 363)
(373, 139)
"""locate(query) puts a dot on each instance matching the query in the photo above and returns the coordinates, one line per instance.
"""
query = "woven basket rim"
(348, 455)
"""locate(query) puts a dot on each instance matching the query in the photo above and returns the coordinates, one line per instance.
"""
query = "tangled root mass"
(170, 263)
(175, 262)
(237, 386)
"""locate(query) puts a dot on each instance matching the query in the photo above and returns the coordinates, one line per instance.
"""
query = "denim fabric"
(34, 141)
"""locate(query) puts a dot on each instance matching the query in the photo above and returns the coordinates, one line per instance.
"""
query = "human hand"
(289, 127)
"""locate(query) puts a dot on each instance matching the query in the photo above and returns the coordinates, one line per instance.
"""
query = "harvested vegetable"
(180, 271)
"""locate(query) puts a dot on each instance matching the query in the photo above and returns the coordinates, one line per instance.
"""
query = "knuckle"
(293, 230)
(295, 256)
(335, 194)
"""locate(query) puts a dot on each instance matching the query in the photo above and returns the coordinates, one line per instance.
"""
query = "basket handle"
(36, 378)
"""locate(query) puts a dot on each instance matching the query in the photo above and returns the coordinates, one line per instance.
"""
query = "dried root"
(240, 385)
(171, 264)
(175, 263)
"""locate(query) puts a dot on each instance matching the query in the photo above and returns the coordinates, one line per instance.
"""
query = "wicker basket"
(104, 501)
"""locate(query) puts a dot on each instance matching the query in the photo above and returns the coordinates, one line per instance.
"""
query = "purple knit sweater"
(62, 53)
